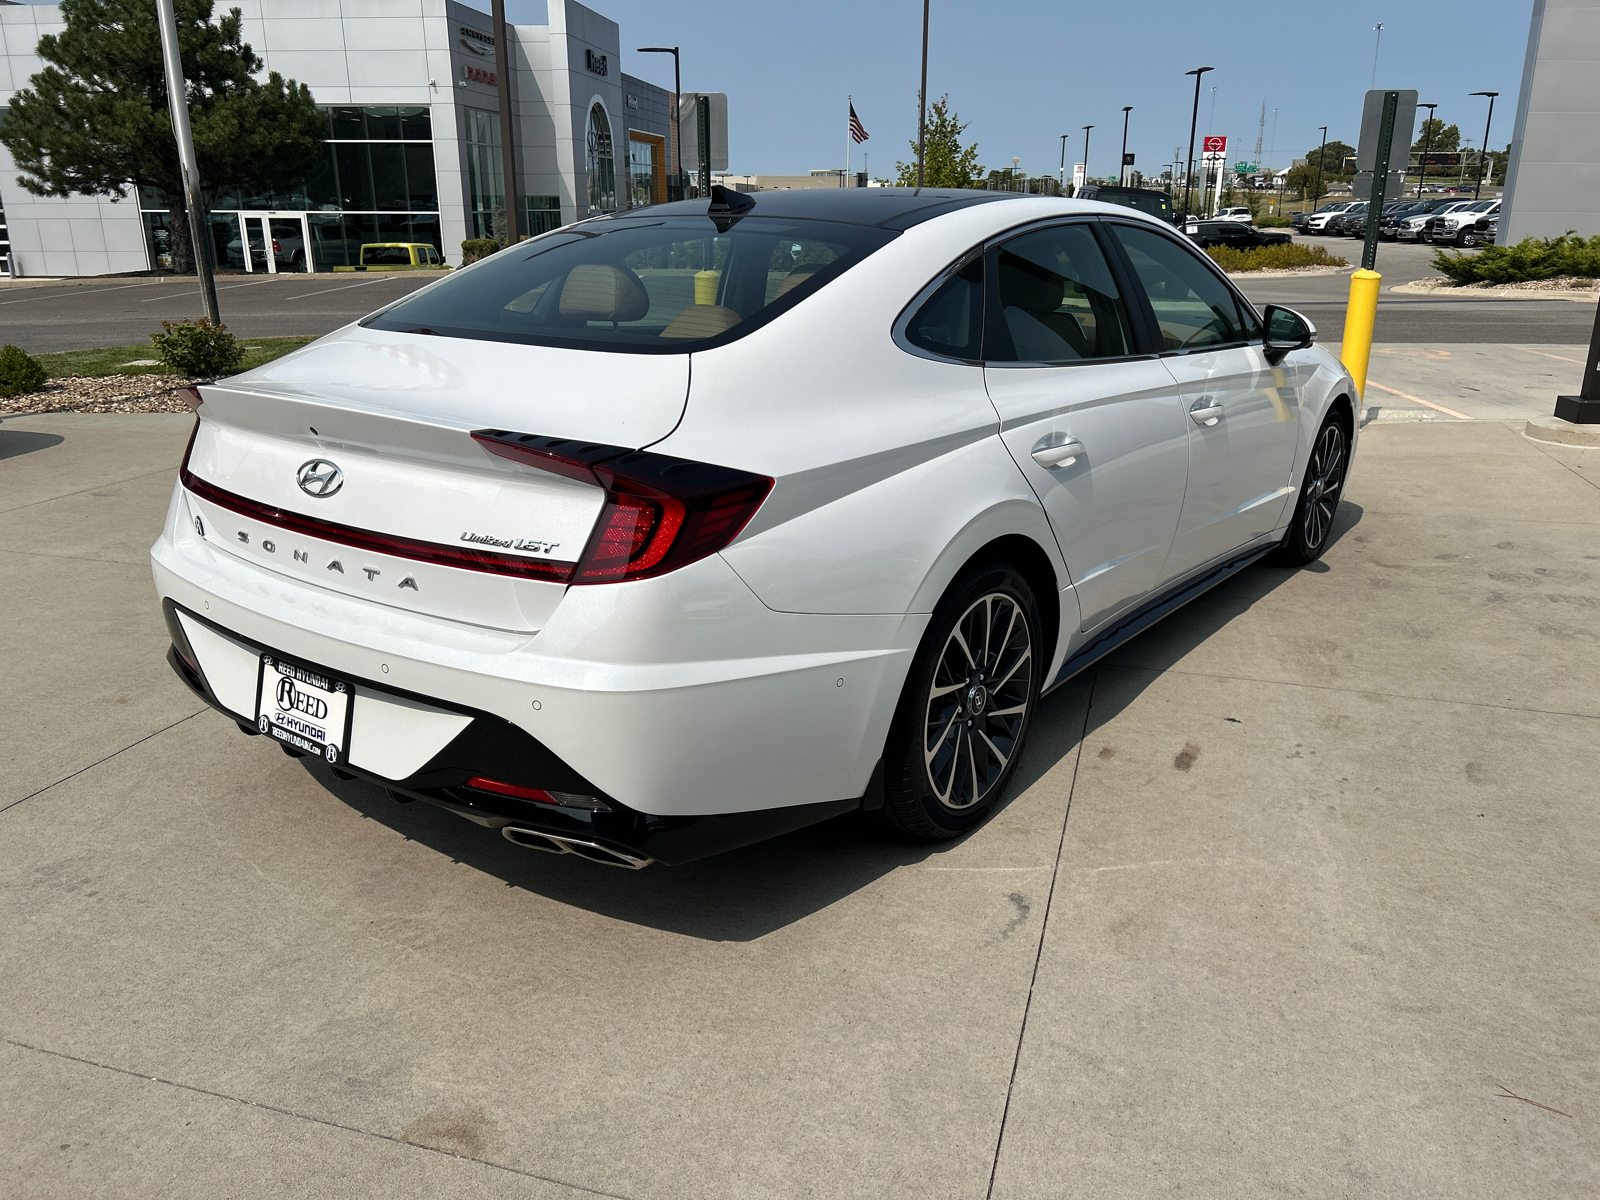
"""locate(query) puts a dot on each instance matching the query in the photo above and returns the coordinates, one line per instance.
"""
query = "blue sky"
(1023, 72)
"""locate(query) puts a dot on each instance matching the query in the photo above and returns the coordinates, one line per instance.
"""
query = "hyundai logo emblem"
(319, 478)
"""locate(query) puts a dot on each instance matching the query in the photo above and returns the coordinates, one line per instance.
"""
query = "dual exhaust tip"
(554, 843)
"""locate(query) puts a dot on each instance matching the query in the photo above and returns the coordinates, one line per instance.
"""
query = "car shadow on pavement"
(1166, 644)
(17, 442)
(738, 896)
(748, 893)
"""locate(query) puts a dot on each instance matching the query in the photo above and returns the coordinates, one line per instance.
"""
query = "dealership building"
(412, 150)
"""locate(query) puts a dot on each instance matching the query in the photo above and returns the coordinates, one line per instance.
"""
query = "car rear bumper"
(486, 746)
(681, 696)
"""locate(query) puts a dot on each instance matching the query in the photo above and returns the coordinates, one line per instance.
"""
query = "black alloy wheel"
(1307, 535)
(964, 714)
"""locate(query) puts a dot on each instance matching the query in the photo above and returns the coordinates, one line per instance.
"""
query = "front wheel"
(1469, 240)
(1307, 535)
(964, 713)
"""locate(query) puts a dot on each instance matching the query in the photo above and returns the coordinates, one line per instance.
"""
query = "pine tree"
(95, 120)
(947, 163)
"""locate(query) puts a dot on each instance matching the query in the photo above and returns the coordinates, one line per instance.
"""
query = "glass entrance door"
(274, 242)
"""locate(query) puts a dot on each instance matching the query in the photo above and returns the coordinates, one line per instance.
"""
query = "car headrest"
(601, 292)
(1029, 287)
(796, 277)
(701, 321)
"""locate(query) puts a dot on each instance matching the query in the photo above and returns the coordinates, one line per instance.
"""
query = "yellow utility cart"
(398, 256)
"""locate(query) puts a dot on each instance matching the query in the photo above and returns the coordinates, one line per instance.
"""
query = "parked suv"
(1352, 222)
(1241, 215)
(494, 548)
(1300, 219)
(1464, 226)
(1395, 216)
(1319, 221)
(1232, 233)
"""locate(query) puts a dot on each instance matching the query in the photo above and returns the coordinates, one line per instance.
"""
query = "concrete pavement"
(1292, 893)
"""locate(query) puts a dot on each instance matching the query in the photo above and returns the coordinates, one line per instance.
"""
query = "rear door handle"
(1205, 411)
(1062, 455)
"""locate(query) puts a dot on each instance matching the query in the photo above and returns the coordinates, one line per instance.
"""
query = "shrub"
(475, 248)
(197, 349)
(1272, 222)
(1272, 258)
(20, 372)
(1529, 259)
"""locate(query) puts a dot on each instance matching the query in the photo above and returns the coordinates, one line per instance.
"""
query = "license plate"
(304, 709)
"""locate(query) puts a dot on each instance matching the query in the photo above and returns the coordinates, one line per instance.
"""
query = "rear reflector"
(661, 513)
(537, 795)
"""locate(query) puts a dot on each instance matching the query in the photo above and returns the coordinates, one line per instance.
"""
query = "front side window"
(1057, 299)
(1193, 308)
(642, 286)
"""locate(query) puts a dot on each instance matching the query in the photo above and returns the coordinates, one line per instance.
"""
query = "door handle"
(1205, 411)
(1062, 455)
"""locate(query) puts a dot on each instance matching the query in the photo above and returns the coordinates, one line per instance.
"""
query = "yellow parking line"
(1419, 400)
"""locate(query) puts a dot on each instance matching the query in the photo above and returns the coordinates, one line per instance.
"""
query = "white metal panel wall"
(1553, 179)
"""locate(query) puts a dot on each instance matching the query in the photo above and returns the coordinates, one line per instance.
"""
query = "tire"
(950, 701)
(1307, 535)
(1469, 240)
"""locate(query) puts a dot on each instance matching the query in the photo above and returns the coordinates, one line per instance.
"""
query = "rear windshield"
(662, 286)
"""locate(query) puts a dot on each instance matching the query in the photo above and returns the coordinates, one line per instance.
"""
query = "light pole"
(1063, 164)
(1122, 163)
(1484, 153)
(1194, 120)
(1322, 154)
(1427, 140)
(1086, 129)
(189, 165)
(1377, 42)
(922, 98)
(674, 146)
(508, 147)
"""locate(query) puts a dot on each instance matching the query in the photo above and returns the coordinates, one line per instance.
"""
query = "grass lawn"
(114, 360)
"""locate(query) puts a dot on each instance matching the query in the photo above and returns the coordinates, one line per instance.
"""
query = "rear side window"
(1057, 299)
(662, 286)
(1193, 308)
(385, 256)
(950, 322)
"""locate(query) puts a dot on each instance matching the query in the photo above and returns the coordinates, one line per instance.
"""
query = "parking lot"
(1295, 895)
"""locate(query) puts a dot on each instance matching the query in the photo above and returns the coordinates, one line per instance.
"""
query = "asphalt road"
(121, 311)
(1411, 319)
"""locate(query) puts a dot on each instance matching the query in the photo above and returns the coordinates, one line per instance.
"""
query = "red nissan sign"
(1216, 145)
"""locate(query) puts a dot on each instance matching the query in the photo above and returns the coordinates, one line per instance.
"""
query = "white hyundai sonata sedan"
(676, 529)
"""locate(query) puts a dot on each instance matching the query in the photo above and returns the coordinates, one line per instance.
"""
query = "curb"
(1555, 431)
(1412, 289)
(1292, 273)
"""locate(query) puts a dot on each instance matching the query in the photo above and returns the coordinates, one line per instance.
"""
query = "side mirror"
(1287, 330)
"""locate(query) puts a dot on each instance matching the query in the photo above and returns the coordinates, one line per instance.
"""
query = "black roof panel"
(894, 208)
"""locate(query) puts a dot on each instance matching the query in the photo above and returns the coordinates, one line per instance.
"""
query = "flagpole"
(849, 107)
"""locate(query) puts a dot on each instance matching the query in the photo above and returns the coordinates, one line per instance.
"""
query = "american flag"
(858, 131)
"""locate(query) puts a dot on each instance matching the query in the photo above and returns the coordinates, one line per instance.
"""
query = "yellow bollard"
(705, 286)
(1358, 321)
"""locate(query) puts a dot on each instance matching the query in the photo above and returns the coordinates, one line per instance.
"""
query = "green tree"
(95, 121)
(1437, 137)
(1332, 156)
(947, 163)
(1304, 179)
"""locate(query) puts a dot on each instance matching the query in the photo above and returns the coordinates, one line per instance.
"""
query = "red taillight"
(276, 249)
(511, 789)
(660, 513)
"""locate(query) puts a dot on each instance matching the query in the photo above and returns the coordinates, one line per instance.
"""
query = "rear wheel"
(966, 707)
(1307, 535)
